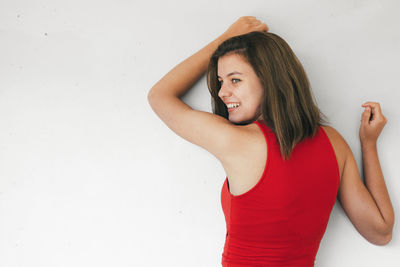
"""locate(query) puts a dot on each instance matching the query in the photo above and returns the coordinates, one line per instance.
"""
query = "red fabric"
(282, 219)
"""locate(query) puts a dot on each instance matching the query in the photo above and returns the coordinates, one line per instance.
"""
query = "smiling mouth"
(232, 109)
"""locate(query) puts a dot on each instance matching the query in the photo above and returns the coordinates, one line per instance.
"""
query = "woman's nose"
(223, 92)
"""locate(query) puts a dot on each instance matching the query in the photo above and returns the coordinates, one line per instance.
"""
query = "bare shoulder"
(247, 138)
(339, 145)
(333, 134)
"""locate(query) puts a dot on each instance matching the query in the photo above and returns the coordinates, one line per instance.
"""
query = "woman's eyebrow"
(235, 72)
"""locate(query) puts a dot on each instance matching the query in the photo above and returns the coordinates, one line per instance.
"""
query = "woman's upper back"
(277, 210)
(250, 164)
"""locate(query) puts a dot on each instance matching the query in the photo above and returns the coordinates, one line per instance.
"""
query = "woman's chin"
(238, 121)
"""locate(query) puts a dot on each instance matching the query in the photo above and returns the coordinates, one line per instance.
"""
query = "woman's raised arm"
(207, 130)
(368, 205)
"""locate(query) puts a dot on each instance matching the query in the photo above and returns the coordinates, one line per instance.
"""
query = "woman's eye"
(232, 80)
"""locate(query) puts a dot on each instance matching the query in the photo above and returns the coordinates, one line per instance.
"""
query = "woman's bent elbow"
(384, 240)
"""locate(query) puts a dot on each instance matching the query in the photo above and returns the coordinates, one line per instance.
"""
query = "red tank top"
(282, 219)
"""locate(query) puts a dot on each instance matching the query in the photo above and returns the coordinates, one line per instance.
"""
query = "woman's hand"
(372, 122)
(245, 25)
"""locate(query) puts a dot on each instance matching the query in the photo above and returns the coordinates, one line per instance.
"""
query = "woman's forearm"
(183, 76)
(375, 183)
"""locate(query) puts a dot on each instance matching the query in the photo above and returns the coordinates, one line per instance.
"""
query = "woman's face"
(239, 84)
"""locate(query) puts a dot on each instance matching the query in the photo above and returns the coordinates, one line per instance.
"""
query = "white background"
(90, 176)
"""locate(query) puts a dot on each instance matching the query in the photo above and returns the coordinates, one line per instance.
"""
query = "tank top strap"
(263, 126)
(268, 133)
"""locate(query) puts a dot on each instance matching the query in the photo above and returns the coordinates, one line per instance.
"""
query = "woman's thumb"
(366, 115)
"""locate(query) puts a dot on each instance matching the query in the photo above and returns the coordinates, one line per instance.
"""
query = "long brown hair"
(288, 106)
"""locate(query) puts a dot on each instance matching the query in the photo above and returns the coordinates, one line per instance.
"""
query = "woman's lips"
(232, 109)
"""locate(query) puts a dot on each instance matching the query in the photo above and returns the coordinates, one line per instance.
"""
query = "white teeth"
(233, 105)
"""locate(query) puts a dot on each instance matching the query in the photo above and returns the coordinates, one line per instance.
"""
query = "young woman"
(285, 167)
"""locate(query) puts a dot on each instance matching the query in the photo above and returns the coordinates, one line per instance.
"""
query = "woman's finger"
(372, 105)
(375, 109)
(366, 115)
(243, 25)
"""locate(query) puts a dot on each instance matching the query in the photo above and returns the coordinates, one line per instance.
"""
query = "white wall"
(90, 176)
